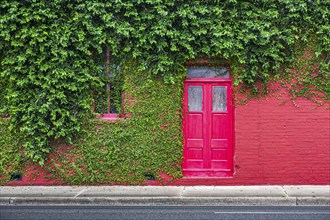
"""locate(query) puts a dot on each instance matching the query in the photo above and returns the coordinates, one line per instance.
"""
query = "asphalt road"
(165, 212)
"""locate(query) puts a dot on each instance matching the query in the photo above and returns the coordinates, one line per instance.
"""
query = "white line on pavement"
(290, 213)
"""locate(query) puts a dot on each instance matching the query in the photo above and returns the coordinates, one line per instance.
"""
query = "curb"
(229, 201)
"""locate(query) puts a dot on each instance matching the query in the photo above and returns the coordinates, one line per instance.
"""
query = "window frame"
(109, 116)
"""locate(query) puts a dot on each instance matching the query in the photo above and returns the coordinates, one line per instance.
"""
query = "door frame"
(205, 174)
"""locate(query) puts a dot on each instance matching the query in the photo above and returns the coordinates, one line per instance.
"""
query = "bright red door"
(208, 128)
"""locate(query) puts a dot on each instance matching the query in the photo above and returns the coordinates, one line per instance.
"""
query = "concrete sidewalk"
(165, 195)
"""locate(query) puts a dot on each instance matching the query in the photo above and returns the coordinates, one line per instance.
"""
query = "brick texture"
(282, 144)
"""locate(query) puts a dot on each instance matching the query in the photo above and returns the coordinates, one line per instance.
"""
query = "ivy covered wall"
(11, 153)
(51, 58)
(147, 141)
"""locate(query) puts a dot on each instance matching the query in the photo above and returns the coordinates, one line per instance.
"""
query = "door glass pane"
(208, 72)
(219, 98)
(195, 98)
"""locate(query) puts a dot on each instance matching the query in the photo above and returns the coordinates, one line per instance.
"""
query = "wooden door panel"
(195, 153)
(219, 144)
(195, 126)
(194, 164)
(195, 149)
(219, 165)
(219, 154)
(220, 126)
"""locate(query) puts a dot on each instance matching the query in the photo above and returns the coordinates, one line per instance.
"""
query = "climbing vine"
(50, 54)
(146, 141)
(11, 157)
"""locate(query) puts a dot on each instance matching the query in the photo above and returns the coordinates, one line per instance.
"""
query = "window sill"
(109, 117)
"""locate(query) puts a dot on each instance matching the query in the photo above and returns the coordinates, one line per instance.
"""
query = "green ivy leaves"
(10, 154)
(50, 50)
(147, 141)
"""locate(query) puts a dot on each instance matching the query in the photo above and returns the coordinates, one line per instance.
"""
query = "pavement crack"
(80, 192)
(182, 191)
(285, 192)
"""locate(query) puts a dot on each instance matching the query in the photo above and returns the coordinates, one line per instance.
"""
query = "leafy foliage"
(49, 68)
(148, 141)
(10, 155)
(308, 76)
(50, 50)
(3, 86)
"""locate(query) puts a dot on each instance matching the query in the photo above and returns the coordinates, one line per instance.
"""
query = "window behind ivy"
(108, 96)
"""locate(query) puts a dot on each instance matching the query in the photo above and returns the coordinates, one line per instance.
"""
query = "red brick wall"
(279, 144)
(283, 144)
